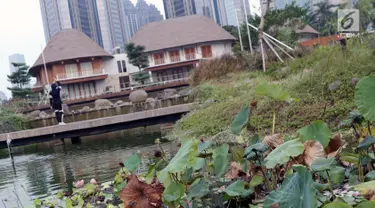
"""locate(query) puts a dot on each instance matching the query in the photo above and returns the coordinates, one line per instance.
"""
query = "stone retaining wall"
(124, 108)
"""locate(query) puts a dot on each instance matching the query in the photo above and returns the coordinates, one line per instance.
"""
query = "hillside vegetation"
(323, 82)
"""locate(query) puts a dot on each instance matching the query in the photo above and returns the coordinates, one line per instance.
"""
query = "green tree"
(138, 58)
(20, 79)
(366, 12)
(280, 23)
(324, 17)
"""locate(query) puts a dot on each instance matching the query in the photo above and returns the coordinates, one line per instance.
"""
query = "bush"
(10, 121)
(216, 68)
(307, 78)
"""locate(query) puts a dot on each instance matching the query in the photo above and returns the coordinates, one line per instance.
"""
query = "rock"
(119, 102)
(85, 109)
(150, 100)
(66, 109)
(355, 81)
(34, 114)
(43, 114)
(103, 103)
(138, 96)
(169, 93)
(174, 96)
(126, 104)
(186, 92)
(334, 85)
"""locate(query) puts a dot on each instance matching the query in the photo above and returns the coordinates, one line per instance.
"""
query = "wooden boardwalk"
(96, 126)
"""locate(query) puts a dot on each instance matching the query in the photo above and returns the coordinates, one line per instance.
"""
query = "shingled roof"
(69, 44)
(179, 31)
(307, 29)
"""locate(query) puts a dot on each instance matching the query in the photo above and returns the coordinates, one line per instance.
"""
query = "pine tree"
(20, 79)
(138, 58)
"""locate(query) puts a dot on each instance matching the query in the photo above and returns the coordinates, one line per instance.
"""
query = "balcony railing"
(78, 74)
(175, 58)
(190, 56)
(159, 61)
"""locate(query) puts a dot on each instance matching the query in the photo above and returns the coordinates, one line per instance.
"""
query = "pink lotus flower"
(79, 184)
(93, 181)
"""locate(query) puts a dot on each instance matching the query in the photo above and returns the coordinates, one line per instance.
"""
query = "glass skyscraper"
(110, 23)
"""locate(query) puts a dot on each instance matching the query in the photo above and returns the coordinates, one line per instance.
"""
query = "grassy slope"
(306, 78)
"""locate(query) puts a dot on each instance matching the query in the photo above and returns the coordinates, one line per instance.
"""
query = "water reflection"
(44, 169)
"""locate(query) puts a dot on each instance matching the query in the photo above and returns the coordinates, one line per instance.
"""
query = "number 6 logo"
(347, 18)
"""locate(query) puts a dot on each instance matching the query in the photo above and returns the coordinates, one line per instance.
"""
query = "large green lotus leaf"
(296, 191)
(238, 154)
(240, 120)
(322, 164)
(366, 143)
(255, 149)
(349, 157)
(364, 186)
(366, 204)
(238, 189)
(317, 131)
(199, 188)
(173, 192)
(220, 157)
(256, 180)
(371, 175)
(320, 187)
(365, 97)
(204, 145)
(284, 152)
(273, 91)
(337, 174)
(132, 163)
(337, 204)
(185, 157)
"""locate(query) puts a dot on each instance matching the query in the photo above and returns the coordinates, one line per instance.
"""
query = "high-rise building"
(219, 12)
(179, 8)
(235, 9)
(110, 23)
(63, 14)
(15, 58)
(204, 8)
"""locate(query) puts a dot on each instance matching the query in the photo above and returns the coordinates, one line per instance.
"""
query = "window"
(158, 58)
(174, 56)
(86, 69)
(124, 82)
(162, 76)
(71, 70)
(121, 66)
(206, 51)
(189, 53)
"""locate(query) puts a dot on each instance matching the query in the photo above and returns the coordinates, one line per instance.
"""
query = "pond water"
(43, 169)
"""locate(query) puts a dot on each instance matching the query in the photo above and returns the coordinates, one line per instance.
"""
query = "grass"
(10, 121)
(307, 78)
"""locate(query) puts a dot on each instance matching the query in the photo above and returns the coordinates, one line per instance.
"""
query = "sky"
(22, 32)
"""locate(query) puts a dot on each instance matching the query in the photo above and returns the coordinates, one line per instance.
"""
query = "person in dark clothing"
(343, 43)
(56, 102)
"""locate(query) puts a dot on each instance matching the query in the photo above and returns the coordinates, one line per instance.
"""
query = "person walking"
(56, 102)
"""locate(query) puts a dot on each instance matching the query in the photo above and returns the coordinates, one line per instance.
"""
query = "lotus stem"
(355, 131)
(330, 185)
(369, 127)
(273, 121)
(268, 185)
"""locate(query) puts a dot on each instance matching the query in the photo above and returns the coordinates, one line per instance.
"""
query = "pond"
(43, 169)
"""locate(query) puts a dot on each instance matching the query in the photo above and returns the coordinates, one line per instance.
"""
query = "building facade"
(84, 70)
(63, 14)
(170, 58)
(179, 8)
(110, 23)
